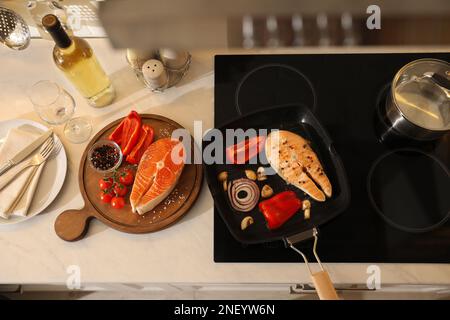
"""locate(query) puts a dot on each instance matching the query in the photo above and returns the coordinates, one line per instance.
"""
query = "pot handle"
(321, 279)
(441, 81)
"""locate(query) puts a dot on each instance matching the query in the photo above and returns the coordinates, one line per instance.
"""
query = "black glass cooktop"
(400, 190)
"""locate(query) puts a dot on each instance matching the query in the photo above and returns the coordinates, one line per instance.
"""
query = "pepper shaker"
(155, 75)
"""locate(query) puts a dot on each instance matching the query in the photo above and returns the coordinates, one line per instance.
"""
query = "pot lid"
(421, 91)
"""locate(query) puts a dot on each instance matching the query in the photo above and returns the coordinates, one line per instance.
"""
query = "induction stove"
(400, 189)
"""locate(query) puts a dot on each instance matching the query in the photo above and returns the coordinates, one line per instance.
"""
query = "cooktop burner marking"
(279, 82)
(416, 208)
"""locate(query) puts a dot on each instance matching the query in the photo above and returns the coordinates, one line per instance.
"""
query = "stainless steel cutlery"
(36, 160)
(56, 149)
(25, 152)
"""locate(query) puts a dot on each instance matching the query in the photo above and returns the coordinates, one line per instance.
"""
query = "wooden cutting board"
(72, 225)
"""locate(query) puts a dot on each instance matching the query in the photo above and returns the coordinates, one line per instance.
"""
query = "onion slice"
(247, 202)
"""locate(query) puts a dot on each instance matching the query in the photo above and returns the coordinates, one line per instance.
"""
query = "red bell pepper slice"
(243, 151)
(280, 208)
(132, 136)
(116, 135)
(127, 132)
(145, 140)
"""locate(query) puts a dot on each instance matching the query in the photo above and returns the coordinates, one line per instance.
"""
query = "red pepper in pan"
(280, 208)
(145, 139)
(243, 151)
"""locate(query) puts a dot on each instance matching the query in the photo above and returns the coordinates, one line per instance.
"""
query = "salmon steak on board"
(157, 174)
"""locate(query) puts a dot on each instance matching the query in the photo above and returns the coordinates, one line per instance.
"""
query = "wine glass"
(56, 106)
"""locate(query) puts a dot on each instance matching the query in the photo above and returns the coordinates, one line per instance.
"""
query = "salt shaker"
(155, 75)
(173, 59)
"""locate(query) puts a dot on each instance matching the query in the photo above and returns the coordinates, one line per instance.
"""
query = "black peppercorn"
(104, 157)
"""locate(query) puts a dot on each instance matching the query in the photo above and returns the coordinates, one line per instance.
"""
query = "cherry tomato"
(106, 197)
(105, 183)
(120, 190)
(117, 202)
(126, 177)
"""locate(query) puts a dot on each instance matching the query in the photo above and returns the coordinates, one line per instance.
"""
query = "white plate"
(52, 177)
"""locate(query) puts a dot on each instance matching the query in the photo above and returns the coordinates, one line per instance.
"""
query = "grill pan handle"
(321, 279)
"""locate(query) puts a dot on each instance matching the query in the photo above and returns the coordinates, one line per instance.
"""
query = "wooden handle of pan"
(71, 225)
(324, 286)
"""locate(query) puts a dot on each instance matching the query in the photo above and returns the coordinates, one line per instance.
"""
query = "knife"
(25, 152)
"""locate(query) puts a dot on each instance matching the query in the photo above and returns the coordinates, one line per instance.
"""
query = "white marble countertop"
(31, 253)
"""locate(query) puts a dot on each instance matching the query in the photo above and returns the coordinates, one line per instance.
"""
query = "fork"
(23, 191)
(36, 160)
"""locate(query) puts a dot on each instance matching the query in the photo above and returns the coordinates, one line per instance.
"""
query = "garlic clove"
(266, 191)
(247, 221)
(307, 213)
(261, 174)
(222, 176)
(306, 204)
(250, 174)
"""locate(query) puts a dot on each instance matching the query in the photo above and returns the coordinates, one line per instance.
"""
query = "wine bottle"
(76, 59)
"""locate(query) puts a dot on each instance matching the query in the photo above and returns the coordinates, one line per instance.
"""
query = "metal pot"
(418, 103)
